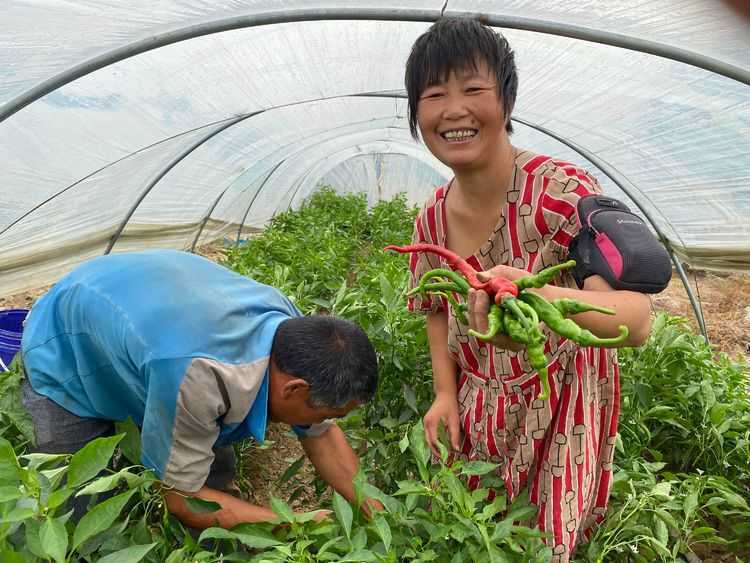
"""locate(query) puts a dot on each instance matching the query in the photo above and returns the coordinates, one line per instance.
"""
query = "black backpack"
(616, 244)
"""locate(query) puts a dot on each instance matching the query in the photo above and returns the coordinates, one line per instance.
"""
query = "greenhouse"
(206, 126)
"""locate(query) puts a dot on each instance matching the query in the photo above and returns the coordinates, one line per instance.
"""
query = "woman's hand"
(479, 306)
(444, 409)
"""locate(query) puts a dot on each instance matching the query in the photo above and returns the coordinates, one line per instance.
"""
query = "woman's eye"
(432, 95)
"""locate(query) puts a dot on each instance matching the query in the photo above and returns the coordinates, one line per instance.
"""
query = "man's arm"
(233, 510)
(336, 463)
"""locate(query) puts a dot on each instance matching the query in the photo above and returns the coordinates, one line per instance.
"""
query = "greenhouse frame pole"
(176, 160)
(371, 14)
(205, 219)
(252, 201)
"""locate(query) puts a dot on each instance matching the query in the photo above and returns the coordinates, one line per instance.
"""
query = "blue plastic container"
(11, 329)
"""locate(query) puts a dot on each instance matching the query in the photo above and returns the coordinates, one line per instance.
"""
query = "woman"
(511, 212)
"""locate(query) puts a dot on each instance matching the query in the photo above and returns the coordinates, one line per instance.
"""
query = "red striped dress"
(562, 448)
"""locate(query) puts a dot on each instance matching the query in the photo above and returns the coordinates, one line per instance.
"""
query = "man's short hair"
(333, 355)
(455, 44)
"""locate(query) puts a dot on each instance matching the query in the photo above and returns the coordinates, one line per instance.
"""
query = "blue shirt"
(175, 341)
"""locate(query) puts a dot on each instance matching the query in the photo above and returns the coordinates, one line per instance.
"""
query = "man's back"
(90, 342)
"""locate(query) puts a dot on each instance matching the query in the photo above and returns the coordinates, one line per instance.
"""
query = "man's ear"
(295, 388)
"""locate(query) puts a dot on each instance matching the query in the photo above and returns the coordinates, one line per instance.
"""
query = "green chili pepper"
(566, 327)
(511, 305)
(530, 314)
(572, 306)
(435, 286)
(459, 309)
(495, 323)
(445, 273)
(544, 277)
(538, 361)
(513, 328)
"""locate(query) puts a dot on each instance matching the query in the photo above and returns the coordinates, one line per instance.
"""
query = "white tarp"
(74, 162)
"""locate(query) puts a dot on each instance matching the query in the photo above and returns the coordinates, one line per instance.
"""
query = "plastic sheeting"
(73, 163)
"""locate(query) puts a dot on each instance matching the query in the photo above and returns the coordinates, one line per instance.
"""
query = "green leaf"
(734, 499)
(131, 442)
(31, 535)
(216, 534)
(101, 485)
(9, 556)
(384, 531)
(410, 398)
(418, 445)
(132, 554)
(292, 470)
(403, 444)
(663, 489)
(254, 537)
(343, 513)
(411, 487)
(91, 459)
(9, 492)
(37, 460)
(100, 517)
(282, 510)
(690, 503)
(201, 506)
(360, 556)
(10, 471)
(661, 531)
(58, 497)
(478, 468)
(17, 514)
(54, 538)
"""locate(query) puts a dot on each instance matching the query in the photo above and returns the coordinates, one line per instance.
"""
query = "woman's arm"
(632, 309)
(445, 405)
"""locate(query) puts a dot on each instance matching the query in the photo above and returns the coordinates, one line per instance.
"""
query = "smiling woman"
(511, 212)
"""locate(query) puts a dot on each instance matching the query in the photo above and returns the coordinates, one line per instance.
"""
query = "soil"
(725, 300)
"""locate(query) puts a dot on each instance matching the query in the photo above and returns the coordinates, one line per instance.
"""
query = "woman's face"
(462, 121)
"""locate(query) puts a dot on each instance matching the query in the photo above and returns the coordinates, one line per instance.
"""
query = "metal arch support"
(403, 14)
(252, 201)
(205, 219)
(164, 172)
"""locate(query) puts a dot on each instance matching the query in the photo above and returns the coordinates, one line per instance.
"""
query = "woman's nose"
(455, 107)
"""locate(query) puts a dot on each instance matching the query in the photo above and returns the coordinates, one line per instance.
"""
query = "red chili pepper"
(496, 287)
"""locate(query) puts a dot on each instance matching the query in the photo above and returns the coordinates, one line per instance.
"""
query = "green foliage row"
(681, 486)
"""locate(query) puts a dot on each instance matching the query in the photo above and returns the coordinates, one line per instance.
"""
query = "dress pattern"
(560, 449)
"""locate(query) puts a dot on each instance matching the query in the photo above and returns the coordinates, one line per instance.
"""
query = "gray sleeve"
(313, 430)
(201, 401)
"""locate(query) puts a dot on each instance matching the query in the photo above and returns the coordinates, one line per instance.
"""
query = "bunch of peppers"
(513, 311)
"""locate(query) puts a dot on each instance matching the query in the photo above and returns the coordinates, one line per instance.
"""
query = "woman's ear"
(296, 389)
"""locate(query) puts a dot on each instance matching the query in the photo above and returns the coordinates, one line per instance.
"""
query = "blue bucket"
(11, 329)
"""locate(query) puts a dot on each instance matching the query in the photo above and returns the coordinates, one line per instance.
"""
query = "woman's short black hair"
(333, 355)
(456, 44)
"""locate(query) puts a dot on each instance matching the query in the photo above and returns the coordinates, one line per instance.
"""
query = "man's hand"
(370, 506)
(233, 511)
(321, 515)
(444, 409)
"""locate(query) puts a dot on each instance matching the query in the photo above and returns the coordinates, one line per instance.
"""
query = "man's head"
(453, 45)
(321, 367)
